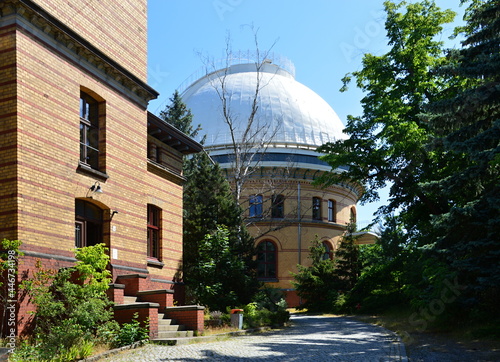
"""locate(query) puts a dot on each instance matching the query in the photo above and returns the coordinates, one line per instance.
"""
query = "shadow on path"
(311, 338)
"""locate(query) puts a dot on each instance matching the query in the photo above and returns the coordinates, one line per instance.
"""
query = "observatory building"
(276, 124)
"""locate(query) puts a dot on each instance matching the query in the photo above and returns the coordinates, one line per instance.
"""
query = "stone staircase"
(168, 329)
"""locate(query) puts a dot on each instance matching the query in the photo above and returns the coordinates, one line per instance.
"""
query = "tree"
(179, 116)
(347, 258)
(220, 276)
(467, 127)
(250, 134)
(387, 143)
(209, 204)
(317, 284)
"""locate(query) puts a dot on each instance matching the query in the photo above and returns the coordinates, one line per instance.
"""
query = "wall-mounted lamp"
(95, 189)
(113, 213)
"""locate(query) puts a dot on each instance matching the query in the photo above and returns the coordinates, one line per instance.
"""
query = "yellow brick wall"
(287, 234)
(8, 149)
(116, 27)
(48, 97)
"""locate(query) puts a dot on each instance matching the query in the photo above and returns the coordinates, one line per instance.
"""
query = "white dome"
(297, 115)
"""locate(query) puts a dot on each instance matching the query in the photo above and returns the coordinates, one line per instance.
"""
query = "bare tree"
(250, 134)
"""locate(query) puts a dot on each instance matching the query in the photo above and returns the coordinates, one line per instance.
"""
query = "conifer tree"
(347, 259)
(209, 205)
(467, 125)
(179, 116)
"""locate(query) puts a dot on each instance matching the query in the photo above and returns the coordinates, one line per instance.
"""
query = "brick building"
(81, 159)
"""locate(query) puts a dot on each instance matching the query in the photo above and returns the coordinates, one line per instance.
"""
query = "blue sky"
(325, 39)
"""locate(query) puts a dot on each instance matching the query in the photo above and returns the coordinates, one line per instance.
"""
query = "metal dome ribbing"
(299, 116)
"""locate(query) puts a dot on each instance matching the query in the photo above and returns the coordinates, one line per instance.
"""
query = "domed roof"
(294, 114)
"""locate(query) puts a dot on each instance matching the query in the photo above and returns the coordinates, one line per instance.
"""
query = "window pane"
(316, 212)
(92, 137)
(255, 206)
(94, 232)
(271, 272)
(78, 234)
(155, 243)
(92, 157)
(270, 246)
(278, 207)
(261, 271)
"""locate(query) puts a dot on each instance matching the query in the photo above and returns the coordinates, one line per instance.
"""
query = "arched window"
(88, 224)
(353, 215)
(316, 208)
(255, 209)
(328, 251)
(331, 211)
(154, 231)
(278, 207)
(266, 260)
(89, 131)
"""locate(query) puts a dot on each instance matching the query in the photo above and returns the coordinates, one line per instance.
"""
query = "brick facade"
(292, 235)
(50, 52)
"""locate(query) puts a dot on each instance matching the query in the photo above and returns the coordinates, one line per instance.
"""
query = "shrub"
(71, 306)
(131, 332)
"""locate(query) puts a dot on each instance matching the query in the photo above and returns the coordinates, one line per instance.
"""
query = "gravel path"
(311, 338)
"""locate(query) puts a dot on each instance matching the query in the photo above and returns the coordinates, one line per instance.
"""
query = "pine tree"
(179, 116)
(347, 259)
(467, 124)
(209, 205)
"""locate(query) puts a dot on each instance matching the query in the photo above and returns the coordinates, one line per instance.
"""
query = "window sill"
(155, 263)
(83, 168)
(268, 280)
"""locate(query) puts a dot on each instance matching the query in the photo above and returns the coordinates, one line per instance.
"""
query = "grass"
(402, 321)
(210, 331)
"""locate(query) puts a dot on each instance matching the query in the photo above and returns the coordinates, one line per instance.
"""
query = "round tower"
(259, 114)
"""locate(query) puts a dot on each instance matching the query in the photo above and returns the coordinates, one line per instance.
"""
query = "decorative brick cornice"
(76, 44)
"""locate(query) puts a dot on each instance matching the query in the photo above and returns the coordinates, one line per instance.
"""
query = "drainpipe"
(299, 231)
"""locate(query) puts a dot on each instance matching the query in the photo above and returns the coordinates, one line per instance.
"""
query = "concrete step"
(129, 299)
(170, 328)
(165, 320)
(162, 336)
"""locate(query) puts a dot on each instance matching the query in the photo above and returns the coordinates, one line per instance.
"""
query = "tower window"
(255, 202)
(278, 207)
(316, 208)
(266, 260)
(328, 254)
(353, 215)
(331, 211)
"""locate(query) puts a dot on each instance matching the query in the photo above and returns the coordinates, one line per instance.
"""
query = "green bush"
(131, 332)
(72, 307)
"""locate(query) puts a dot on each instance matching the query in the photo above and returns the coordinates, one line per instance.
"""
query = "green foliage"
(179, 116)
(220, 275)
(71, 304)
(208, 204)
(9, 256)
(131, 332)
(318, 284)
(386, 145)
(430, 128)
(348, 265)
(467, 127)
(255, 316)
